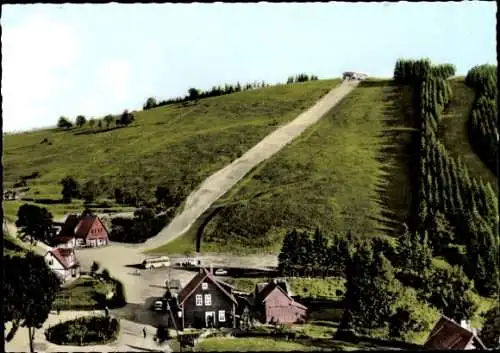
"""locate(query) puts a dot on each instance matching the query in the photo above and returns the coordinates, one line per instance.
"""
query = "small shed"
(274, 305)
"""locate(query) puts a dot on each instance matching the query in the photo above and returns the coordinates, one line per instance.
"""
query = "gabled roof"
(271, 287)
(197, 280)
(68, 228)
(79, 226)
(64, 257)
(447, 334)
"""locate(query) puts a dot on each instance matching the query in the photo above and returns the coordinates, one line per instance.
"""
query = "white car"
(158, 306)
(220, 272)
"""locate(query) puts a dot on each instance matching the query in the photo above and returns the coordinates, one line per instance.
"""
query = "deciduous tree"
(28, 302)
(35, 222)
(70, 189)
(80, 120)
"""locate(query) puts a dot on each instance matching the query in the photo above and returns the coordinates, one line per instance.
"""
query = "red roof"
(447, 334)
(79, 226)
(64, 257)
(271, 286)
(197, 280)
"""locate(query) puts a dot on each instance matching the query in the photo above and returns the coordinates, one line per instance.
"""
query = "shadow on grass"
(394, 187)
(91, 132)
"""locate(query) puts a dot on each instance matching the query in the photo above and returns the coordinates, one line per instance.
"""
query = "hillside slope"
(453, 131)
(347, 172)
(223, 180)
(175, 146)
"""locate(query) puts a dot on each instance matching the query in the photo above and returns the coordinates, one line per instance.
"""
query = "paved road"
(130, 338)
(223, 180)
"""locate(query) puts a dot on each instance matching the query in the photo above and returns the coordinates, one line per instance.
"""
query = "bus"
(155, 262)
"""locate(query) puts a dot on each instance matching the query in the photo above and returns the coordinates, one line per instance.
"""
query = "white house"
(63, 262)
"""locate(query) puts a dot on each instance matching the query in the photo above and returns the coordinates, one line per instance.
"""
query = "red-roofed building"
(207, 302)
(274, 305)
(447, 334)
(63, 262)
(86, 230)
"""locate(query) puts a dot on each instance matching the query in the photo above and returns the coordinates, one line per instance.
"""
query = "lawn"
(253, 344)
(328, 288)
(347, 172)
(454, 133)
(173, 145)
(83, 294)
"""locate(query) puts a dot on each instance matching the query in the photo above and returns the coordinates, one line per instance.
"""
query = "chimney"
(211, 269)
(464, 324)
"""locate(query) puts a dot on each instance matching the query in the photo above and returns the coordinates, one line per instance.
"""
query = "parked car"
(158, 305)
(220, 272)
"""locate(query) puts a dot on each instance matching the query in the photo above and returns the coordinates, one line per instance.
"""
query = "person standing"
(144, 332)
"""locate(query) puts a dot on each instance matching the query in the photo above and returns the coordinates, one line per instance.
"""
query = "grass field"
(253, 344)
(83, 293)
(347, 172)
(328, 288)
(453, 131)
(175, 146)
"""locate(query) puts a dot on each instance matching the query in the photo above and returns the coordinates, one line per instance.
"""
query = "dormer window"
(204, 286)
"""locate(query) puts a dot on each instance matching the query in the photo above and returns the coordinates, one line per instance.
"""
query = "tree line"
(194, 94)
(301, 78)
(482, 123)
(96, 188)
(125, 119)
(376, 270)
(454, 208)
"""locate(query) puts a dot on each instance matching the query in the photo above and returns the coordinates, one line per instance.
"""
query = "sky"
(98, 59)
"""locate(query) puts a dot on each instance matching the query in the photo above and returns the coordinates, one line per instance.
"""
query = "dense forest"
(453, 215)
(483, 129)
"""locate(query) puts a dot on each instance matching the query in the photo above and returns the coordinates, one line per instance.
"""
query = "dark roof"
(196, 281)
(271, 286)
(447, 334)
(63, 256)
(68, 228)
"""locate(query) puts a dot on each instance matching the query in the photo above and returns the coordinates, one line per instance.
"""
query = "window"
(204, 286)
(208, 299)
(222, 316)
(199, 300)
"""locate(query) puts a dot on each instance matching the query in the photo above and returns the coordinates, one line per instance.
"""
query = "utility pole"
(175, 325)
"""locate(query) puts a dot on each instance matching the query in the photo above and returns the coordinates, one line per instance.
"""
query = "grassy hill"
(347, 172)
(454, 133)
(176, 146)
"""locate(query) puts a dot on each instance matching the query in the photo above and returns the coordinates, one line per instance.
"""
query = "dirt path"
(220, 182)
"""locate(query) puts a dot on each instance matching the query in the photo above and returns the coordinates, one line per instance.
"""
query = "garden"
(84, 331)
(90, 292)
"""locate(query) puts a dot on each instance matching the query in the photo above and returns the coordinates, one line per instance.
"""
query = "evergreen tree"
(490, 333)
(451, 293)
(371, 289)
(286, 258)
(319, 253)
(440, 232)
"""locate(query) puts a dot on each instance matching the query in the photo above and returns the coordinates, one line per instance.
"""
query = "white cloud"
(36, 57)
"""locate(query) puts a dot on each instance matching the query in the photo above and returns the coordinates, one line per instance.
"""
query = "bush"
(84, 331)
